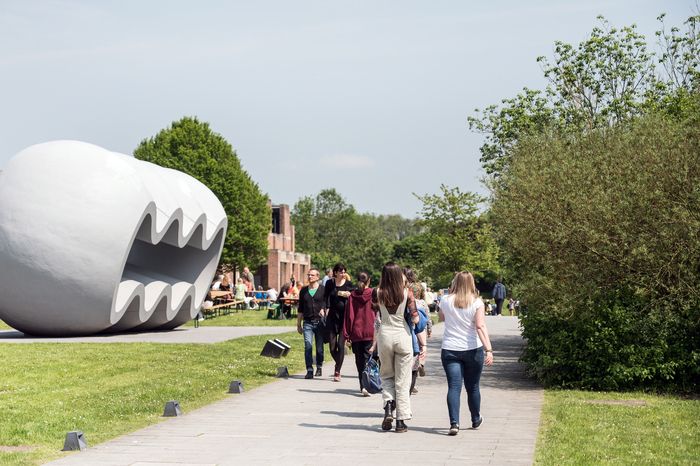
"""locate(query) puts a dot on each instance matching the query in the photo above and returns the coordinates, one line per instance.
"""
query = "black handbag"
(370, 377)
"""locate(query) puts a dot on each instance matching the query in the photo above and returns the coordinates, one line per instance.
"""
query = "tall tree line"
(450, 235)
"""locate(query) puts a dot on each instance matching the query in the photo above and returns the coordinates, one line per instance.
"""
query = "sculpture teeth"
(162, 299)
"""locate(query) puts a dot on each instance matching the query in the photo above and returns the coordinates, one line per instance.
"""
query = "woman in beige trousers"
(395, 345)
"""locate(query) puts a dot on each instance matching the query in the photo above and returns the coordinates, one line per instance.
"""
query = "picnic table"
(275, 311)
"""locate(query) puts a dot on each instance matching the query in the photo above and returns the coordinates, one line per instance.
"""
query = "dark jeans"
(463, 366)
(499, 307)
(362, 354)
(312, 331)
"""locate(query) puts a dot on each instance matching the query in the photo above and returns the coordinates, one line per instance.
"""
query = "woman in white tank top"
(465, 341)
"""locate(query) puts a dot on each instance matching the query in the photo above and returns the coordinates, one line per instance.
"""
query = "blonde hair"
(464, 289)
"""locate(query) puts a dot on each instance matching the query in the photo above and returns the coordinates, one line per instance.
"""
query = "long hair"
(464, 289)
(391, 286)
(410, 274)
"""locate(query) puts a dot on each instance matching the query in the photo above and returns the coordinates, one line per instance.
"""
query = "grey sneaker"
(454, 429)
(319, 373)
(477, 423)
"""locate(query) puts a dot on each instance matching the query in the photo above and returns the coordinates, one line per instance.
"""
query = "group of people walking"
(392, 323)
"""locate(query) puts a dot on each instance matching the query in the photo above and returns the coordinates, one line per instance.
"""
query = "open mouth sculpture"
(94, 241)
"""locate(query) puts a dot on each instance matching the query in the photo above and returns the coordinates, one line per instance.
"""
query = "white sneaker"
(365, 392)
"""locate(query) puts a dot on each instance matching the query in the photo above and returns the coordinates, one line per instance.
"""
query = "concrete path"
(179, 335)
(297, 421)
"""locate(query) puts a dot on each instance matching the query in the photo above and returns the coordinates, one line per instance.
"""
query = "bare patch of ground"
(15, 449)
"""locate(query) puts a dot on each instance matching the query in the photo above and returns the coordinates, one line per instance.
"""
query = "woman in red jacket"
(358, 327)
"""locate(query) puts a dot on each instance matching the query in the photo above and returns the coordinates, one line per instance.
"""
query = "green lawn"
(247, 318)
(4, 326)
(108, 389)
(618, 428)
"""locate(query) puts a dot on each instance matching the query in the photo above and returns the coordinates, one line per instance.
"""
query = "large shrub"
(603, 232)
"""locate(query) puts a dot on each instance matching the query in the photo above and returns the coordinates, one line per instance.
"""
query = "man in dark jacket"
(312, 311)
(499, 294)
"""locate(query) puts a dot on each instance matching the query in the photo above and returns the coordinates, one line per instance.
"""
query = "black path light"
(236, 386)
(172, 409)
(75, 440)
(275, 349)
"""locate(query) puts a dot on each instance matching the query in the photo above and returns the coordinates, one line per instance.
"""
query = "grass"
(4, 326)
(246, 318)
(618, 428)
(106, 390)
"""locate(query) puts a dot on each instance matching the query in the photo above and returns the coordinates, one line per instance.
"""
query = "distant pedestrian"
(499, 294)
(358, 328)
(312, 310)
(421, 337)
(466, 347)
(337, 292)
(395, 345)
(327, 276)
(248, 279)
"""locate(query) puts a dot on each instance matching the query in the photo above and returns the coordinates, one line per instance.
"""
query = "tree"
(331, 230)
(604, 228)
(192, 147)
(595, 207)
(609, 78)
(459, 238)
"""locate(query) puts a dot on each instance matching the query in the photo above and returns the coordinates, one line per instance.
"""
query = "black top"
(334, 303)
(310, 306)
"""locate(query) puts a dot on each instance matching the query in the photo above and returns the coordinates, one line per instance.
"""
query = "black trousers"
(362, 354)
(499, 306)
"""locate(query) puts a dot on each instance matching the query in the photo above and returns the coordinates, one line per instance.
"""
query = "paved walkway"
(297, 421)
(179, 335)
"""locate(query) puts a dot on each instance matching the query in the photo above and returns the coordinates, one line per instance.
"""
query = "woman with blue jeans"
(465, 347)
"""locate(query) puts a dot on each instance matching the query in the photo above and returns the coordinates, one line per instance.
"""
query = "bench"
(219, 309)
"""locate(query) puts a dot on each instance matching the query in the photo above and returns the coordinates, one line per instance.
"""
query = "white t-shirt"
(272, 294)
(460, 325)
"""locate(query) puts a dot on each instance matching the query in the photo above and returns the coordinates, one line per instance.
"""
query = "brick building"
(282, 260)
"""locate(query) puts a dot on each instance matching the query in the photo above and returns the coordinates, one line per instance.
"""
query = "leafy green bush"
(603, 230)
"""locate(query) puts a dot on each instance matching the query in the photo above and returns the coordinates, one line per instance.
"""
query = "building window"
(276, 226)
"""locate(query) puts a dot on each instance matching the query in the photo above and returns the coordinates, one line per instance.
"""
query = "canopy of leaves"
(192, 147)
(332, 231)
(458, 237)
(608, 78)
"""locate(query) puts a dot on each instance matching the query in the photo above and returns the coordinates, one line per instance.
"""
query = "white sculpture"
(94, 241)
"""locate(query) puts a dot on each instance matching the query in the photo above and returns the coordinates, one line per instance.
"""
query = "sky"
(368, 97)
